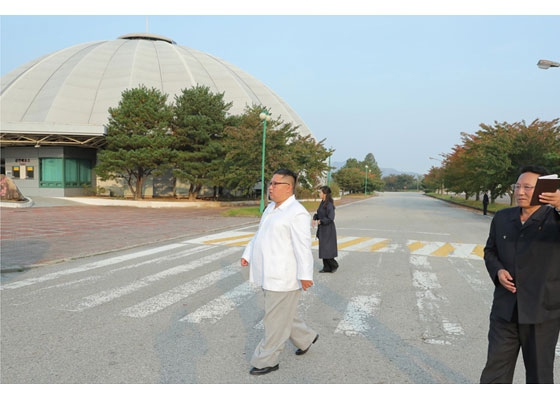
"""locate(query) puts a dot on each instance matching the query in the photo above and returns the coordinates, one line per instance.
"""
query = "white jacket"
(279, 254)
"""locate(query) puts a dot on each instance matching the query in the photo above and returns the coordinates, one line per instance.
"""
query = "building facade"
(54, 109)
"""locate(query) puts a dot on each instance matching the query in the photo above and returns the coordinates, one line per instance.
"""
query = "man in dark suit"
(522, 256)
(485, 202)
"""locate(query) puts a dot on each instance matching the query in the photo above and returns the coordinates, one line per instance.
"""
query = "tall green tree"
(352, 176)
(138, 139)
(284, 148)
(491, 157)
(198, 126)
(374, 179)
(395, 183)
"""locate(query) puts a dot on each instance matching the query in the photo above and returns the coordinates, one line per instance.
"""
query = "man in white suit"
(281, 263)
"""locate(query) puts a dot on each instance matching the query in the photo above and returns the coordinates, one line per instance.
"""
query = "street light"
(365, 190)
(442, 182)
(546, 64)
(329, 173)
(265, 117)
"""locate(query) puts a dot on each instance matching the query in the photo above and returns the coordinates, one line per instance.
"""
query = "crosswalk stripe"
(444, 250)
(227, 239)
(221, 306)
(428, 302)
(94, 265)
(108, 295)
(351, 242)
(358, 310)
(239, 244)
(427, 248)
(478, 251)
(170, 297)
(362, 244)
(383, 243)
(413, 246)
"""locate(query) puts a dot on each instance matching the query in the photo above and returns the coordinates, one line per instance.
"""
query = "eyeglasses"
(517, 186)
(272, 183)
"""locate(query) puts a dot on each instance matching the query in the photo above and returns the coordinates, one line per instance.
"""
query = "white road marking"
(166, 299)
(91, 266)
(108, 295)
(221, 306)
(428, 303)
(358, 310)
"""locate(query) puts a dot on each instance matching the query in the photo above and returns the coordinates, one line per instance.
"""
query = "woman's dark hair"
(328, 198)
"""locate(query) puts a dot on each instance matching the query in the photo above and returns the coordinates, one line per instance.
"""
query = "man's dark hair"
(286, 172)
(535, 169)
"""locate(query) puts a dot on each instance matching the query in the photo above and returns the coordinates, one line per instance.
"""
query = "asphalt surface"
(55, 229)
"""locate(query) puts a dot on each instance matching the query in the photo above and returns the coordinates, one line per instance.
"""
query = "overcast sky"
(400, 87)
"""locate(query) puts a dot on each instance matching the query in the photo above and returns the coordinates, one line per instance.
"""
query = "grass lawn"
(469, 203)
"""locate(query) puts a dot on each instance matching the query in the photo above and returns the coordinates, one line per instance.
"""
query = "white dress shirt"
(279, 254)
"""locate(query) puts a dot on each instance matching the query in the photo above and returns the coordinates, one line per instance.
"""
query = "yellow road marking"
(478, 251)
(379, 245)
(415, 246)
(242, 243)
(352, 242)
(225, 239)
(444, 250)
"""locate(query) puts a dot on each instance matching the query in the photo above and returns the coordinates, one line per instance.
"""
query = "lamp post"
(265, 117)
(442, 183)
(546, 64)
(365, 189)
(329, 173)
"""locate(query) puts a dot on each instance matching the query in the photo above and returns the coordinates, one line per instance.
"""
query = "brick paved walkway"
(39, 235)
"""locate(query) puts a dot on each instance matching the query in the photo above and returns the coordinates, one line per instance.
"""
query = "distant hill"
(384, 171)
(391, 171)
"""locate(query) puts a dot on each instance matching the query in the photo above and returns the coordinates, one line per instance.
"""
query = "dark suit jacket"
(326, 231)
(531, 254)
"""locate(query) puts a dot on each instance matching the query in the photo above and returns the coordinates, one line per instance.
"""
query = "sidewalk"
(53, 230)
(58, 229)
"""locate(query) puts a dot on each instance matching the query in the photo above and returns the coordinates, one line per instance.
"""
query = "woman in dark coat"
(326, 231)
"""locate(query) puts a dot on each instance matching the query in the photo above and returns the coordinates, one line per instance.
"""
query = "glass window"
(51, 172)
(85, 172)
(64, 172)
(71, 173)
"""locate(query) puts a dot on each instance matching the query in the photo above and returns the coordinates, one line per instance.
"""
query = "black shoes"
(263, 371)
(321, 271)
(266, 370)
(300, 352)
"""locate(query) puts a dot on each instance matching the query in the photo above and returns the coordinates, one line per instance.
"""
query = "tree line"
(359, 176)
(203, 146)
(490, 158)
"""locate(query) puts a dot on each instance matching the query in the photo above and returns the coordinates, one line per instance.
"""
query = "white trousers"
(281, 323)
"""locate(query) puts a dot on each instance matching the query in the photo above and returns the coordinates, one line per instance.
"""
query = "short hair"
(287, 172)
(535, 169)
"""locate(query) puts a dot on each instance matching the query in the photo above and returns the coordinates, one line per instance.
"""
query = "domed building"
(53, 110)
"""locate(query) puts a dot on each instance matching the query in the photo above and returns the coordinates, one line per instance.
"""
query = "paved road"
(409, 304)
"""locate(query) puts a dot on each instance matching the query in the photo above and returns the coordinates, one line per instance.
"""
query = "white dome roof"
(71, 90)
